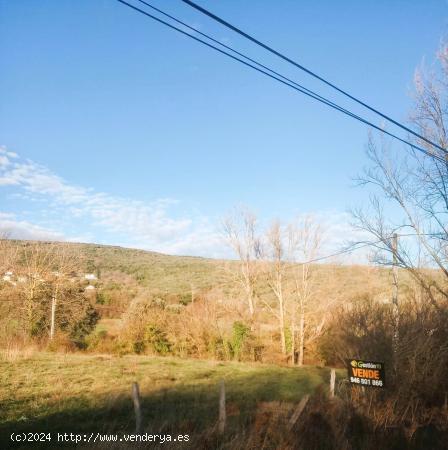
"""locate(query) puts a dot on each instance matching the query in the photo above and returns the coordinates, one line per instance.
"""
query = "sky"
(116, 130)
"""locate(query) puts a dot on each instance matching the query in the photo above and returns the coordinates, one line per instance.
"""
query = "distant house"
(8, 276)
(90, 288)
(90, 276)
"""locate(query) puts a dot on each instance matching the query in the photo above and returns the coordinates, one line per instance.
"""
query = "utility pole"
(395, 309)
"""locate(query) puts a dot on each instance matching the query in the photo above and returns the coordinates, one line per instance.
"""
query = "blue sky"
(116, 130)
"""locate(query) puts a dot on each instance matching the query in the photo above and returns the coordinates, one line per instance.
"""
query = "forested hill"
(123, 273)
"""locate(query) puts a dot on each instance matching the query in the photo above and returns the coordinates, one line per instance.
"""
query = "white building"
(8, 276)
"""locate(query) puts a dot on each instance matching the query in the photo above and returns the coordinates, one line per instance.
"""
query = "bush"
(240, 334)
(157, 340)
(360, 330)
(78, 330)
(415, 374)
(61, 343)
(138, 347)
(101, 341)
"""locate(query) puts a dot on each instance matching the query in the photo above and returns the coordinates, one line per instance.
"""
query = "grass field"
(75, 392)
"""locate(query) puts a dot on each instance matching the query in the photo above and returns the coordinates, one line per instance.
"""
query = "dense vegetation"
(154, 303)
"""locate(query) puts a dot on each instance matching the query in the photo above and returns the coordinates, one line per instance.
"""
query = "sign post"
(366, 373)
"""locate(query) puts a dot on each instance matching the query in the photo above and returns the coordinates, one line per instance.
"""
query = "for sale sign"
(366, 373)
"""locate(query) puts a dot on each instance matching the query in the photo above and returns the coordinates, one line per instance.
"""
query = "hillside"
(149, 302)
(171, 274)
(125, 273)
(121, 268)
(178, 274)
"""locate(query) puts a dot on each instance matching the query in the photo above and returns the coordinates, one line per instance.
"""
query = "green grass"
(76, 392)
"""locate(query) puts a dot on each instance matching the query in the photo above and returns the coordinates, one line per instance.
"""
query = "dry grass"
(76, 392)
(15, 352)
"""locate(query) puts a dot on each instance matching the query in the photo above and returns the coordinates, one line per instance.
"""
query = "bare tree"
(64, 263)
(43, 270)
(286, 251)
(304, 241)
(418, 184)
(276, 266)
(240, 232)
(33, 270)
(8, 252)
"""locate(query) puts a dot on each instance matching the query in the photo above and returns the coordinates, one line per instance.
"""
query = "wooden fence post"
(298, 411)
(137, 408)
(332, 382)
(222, 408)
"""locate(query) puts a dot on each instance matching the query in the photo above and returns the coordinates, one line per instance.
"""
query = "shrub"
(157, 339)
(138, 347)
(415, 374)
(61, 342)
(240, 334)
(362, 329)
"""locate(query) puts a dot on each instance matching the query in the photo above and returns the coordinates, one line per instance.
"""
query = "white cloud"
(143, 224)
(4, 151)
(76, 213)
(22, 229)
(6, 156)
(4, 161)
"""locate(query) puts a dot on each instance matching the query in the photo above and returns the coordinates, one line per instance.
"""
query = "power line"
(342, 252)
(360, 245)
(324, 100)
(236, 52)
(313, 94)
(310, 72)
(284, 80)
(239, 53)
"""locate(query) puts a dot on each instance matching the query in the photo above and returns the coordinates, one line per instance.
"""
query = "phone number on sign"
(366, 382)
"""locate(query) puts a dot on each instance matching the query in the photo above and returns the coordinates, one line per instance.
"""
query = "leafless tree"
(304, 242)
(64, 263)
(287, 251)
(43, 270)
(33, 269)
(417, 184)
(276, 267)
(8, 251)
(240, 232)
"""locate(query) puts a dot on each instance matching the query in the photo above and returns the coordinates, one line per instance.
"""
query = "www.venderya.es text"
(97, 437)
